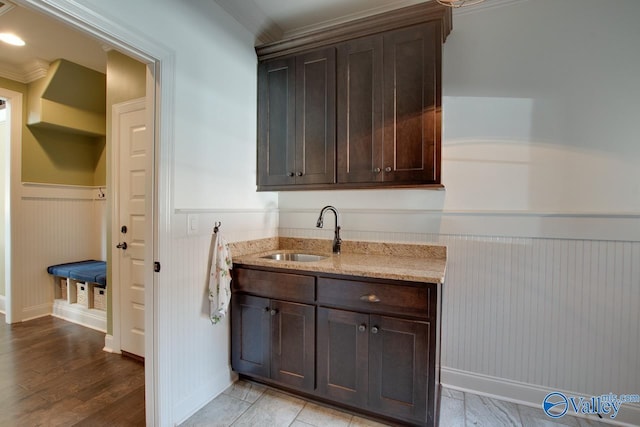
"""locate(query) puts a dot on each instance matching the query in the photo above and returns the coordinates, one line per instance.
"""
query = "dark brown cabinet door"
(412, 104)
(315, 117)
(360, 110)
(276, 122)
(399, 367)
(293, 344)
(343, 354)
(250, 338)
(296, 119)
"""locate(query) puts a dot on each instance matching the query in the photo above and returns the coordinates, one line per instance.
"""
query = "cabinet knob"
(377, 170)
(370, 298)
(374, 330)
(299, 173)
(362, 327)
(388, 169)
(274, 312)
(290, 174)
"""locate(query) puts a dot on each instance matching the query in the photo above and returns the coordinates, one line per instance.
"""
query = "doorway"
(153, 57)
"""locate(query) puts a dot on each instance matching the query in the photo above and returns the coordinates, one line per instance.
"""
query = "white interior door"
(129, 268)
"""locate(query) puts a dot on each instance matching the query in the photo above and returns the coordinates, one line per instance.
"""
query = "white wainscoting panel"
(57, 224)
(547, 313)
(200, 358)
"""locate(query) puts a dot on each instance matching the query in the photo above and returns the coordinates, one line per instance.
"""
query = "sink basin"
(281, 256)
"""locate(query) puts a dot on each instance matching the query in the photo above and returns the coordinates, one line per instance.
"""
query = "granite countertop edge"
(424, 263)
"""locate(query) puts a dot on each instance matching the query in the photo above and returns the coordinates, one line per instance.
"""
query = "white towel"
(220, 279)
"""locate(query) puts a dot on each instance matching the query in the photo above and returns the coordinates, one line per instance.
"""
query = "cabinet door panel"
(343, 355)
(360, 110)
(398, 370)
(315, 117)
(412, 60)
(276, 122)
(293, 344)
(250, 338)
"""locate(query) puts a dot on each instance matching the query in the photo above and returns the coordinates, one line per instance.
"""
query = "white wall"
(541, 211)
(212, 177)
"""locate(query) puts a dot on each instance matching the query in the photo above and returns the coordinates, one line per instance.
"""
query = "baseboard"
(88, 317)
(199, 398)
(35, 312)
(2, 304)
(526, 394)
(109, 345)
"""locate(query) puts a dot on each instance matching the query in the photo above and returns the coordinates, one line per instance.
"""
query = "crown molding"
(297, 32)
(26, 74)
(7, 6)
(253, 18)
(486, 5)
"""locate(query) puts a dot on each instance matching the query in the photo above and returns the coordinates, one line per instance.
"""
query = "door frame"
(114, 183)
(13, 177)
(160, 83)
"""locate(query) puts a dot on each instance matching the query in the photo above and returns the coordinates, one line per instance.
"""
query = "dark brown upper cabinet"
(354, 106)
(389, 107)
(296, 119)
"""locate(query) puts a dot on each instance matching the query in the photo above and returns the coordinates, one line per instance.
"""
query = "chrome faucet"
(337, 241)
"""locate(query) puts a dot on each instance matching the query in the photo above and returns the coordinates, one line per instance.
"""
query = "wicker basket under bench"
(82, 283)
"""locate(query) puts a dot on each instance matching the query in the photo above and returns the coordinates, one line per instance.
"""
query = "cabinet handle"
(362, 327)
(370, 298)
(377, 170)
(274, 312)
(299, 174)
(374, 330)
(388, 169)
(290, 174)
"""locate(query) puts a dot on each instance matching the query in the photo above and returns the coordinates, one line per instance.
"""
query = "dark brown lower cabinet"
(369, 345)
(374, 361)
(274, 340)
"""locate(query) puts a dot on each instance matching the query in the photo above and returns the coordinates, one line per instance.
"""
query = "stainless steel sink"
(282, 256)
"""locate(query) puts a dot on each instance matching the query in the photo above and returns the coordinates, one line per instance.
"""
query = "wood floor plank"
(54, 373)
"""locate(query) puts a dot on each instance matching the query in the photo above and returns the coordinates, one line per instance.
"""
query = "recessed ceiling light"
(11, 39)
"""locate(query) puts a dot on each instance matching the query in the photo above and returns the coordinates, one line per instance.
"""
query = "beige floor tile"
(244, 390)
(484, 411)
(535, 417)
(451, 412)
(320, 416)
(220, 412)
(272, 409)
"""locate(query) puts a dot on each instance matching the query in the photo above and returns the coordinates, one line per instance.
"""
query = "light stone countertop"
(409, 262)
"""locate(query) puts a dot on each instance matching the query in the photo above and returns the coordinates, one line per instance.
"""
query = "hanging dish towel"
(220, 279)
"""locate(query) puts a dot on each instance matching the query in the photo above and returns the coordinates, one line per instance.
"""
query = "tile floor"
(250, 404)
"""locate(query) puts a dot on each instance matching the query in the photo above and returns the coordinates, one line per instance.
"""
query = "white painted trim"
(74, 313)
(13, 168)
(523, 394)
(487, 5)
(109, 347)
(2, 304)
(32, 190)
(614, 226)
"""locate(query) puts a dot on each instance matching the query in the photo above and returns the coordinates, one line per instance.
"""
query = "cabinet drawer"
(292, 287)
(375, 297)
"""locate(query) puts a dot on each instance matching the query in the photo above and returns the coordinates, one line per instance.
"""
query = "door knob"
(122, 246)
